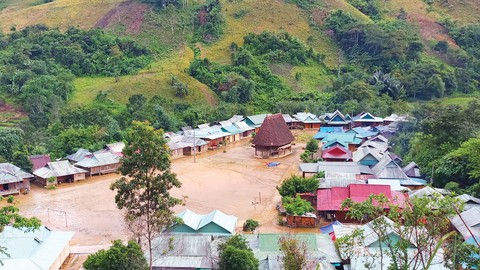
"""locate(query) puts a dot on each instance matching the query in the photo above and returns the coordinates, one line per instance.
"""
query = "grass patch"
(460, 100)
(154, 80)
(272, 15)
(59, 13)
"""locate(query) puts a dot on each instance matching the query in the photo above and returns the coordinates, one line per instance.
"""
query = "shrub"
(250, 225)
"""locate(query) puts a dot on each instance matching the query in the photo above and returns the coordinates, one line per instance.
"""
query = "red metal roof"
(337, 152)
(39, 161)
(331, 199)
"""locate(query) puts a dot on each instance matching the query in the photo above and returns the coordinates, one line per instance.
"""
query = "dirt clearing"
(228, 181)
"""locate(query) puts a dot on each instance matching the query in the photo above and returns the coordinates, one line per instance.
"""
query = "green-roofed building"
(321, 250)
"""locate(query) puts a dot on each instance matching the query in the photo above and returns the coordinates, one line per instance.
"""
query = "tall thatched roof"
(273, 132)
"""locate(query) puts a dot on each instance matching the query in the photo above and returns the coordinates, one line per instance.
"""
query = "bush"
(296, 206)
(250, 225)
(297, 184)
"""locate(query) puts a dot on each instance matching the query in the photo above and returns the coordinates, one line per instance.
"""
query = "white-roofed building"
(41, 249)
(215, 223)
(472, 220)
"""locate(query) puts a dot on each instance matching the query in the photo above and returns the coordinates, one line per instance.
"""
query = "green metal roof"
(269, 242)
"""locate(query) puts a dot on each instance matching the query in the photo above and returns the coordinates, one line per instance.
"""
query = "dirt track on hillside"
(229, 182)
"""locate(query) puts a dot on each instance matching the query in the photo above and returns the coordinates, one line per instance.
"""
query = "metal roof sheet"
(56, 169)
(395, 184)
(363, 152)
(337, 152)
(305, 117)
(196, 221)
(10, 173)
(257, 120)
(471, 218)
(389, 169)
(79, 155)
(243, 126)
(99, 160)
(38, 249)
(424, 192)
(116, 147)
(39, 161)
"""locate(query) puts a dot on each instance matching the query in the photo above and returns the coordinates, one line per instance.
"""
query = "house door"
(5, 187)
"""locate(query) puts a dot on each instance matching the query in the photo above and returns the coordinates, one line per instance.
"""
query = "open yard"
(228, 181)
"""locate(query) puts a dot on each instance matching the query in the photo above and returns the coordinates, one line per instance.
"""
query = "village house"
(329, 200)
(247, 130)
(255, 121)
(13, 180)
(192, 145)
(469, 201)
(337, 153)
(98, 164)
(59, 172)
(41, 249)
(78, 156)
(361, 171)
(324, 131)
(387, 168)
(114, 148)
(292, 123)
(363, 133)
(274, 138)
(322, 253)
(412, 170)
(349, 140)
(336, 119)
(213, 223)
(39, 161)
(366, 119)
(366, 255)
(367, 156)
(308, 120)
(185, 251)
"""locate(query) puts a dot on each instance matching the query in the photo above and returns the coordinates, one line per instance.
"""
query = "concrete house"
(308, 120)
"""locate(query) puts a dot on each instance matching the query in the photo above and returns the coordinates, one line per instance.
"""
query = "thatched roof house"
(274, 138)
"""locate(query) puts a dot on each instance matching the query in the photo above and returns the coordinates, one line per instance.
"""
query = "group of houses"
(77, 166)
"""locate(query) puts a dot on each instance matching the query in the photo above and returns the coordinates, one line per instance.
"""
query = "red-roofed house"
(39, 161)
(329, 201)
(337, 153)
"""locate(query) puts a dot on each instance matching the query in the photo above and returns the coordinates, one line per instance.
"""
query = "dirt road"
(228, 181)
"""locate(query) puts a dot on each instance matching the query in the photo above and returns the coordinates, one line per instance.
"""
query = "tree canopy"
(118, 257)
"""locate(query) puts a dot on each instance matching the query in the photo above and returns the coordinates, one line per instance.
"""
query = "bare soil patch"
(228, 181)
(429, 29)
(130, 14)
(10, 113)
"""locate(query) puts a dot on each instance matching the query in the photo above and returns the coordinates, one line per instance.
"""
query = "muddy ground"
(229, 181)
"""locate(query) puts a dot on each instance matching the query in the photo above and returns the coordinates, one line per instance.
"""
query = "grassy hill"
(168, 34)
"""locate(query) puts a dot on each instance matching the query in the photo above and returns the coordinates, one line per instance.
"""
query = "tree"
(234, 254)
(297, 184)
(118, 257)
(144, 189)
(423, 224)
(312, 145)
(295, 254)
(296, 206)
(9, 215)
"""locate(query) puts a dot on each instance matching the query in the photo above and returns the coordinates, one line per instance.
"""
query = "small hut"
(274, 138)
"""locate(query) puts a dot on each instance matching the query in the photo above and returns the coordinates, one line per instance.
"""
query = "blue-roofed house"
(362, 132)
(246, 129)
(347, 138)
(308, 120)
(42, 249)
(229, 127)
(336, 119)
(324, 131)
(366, 119)
(215, 223)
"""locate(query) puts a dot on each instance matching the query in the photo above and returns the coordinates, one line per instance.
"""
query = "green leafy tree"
(297, 184)
(423, 225)
(234, 254)
(144, 190)
(296, 206)
(118, 257)
(312, 145)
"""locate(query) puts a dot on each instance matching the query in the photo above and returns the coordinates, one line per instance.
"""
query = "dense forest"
(382, 64)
